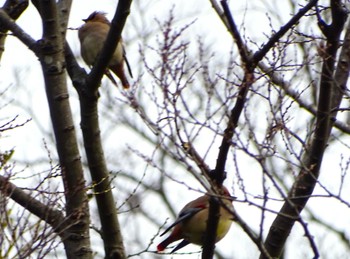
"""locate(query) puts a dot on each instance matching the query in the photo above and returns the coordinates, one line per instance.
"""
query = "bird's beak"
(232, 198)
(84, 20)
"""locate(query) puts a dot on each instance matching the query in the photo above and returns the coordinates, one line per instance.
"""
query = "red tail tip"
(160, 247)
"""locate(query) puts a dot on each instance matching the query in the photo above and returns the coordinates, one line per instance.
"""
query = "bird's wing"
(109, 75)
(127, 62)
(180, 245)
(184, 214)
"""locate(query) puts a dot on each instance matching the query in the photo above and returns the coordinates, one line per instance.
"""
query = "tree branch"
(342, 69)
(64, 7)
(76, 238)
(8, 24)
(259, 55)
(311, 163)
(242, 48)
(53, 217)
(13, 8)
(249, 65)
(112, 237)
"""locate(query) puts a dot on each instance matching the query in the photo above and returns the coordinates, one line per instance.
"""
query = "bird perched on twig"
(191, 223)
(92, 36)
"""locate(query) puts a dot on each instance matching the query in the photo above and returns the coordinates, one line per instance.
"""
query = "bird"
(92, 36)
(191, 223)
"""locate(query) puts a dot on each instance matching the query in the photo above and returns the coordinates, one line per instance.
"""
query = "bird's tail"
(118, 70)
(161, 247)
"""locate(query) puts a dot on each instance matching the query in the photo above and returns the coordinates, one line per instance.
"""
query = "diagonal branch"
(248, 80)
(312, 160)
(8, 24)
(249, 66)
(50, 215)
(51, 55)
(14, 8)
(341, 78)
(50, 52)
(259, 55)
(242, 48)
(111, 230)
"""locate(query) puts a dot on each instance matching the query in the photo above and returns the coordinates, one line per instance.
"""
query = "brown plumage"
(92, 36)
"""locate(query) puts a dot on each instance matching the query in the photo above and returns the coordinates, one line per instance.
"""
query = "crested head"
(97, 17)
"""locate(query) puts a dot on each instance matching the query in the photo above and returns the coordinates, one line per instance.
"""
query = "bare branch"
(8, 24)
(14, 8)
(259, 55)
(111, 230)
(51, 55)
(50, 215)
(311, 163)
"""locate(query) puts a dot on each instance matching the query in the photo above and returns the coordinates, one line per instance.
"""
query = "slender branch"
(249, 65)
(242, 48)
(312, 160)
(341, 77)
(342, 69)
(252, 235)
(50, 215)
(259, 55)
(248, 80)
(14, 8)
(8, 24)
(208, 249)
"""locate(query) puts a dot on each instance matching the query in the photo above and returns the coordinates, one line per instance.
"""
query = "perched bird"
(191, 223)
(92, 36)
